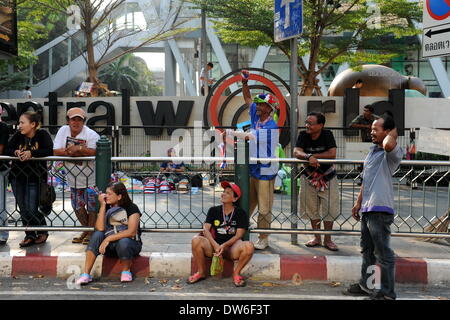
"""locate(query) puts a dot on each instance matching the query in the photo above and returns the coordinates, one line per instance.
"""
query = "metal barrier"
(421, 195)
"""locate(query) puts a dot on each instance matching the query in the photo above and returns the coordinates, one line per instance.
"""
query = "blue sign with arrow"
(288, 19)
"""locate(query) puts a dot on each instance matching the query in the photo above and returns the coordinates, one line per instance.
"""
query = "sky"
(154, 60)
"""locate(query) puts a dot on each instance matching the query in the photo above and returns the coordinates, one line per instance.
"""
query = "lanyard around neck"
(230, 215)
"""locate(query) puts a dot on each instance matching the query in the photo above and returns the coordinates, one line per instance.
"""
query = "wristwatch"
(308, 155)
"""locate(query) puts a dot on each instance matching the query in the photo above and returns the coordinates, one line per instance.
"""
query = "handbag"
(47, 196)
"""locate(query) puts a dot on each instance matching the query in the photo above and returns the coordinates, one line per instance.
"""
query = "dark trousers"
(375, 245)
(27, 198)
(202, 90)
(124, 249)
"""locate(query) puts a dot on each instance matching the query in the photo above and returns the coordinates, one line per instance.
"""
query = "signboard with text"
(436, 28)
(288, 19)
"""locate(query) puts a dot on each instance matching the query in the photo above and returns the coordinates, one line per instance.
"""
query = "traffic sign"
(436, 28)
(288, 19)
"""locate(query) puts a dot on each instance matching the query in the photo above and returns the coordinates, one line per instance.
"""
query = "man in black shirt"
(319, 197)
(223, 229)
(4, 136)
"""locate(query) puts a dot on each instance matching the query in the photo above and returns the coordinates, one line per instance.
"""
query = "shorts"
(317, 205)
(82, 197)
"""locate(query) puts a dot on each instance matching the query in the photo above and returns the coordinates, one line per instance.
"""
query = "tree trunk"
(92, 68)
(310, 85)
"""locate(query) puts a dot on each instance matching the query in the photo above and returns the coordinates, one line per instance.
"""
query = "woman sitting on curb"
(223, 229)
(117, 232)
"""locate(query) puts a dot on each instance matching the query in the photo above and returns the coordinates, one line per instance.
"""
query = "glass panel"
(425, 71)
(279, 68)
(40, 69)
(78, 45)
(60, 56)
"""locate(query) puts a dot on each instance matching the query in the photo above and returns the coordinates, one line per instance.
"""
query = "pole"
(204, 53)
(294, 125)
(242, 176)
(103, 163)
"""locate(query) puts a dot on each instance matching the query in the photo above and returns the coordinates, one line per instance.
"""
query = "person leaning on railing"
(26, 175)
(77, 140)
(117, 232)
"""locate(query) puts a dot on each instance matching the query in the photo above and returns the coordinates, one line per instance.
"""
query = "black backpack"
(197, 181)
(47, 196)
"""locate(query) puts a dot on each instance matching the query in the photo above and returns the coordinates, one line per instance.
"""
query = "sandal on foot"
(42, 238)
(331, 246)
(26, 242)
(313, 243)
(86, 240)
(239, 281)
(126, 276)
(196, 277)
(84, 279)
(80, 238)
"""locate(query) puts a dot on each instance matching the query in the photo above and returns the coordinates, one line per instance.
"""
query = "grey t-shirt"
(378, 192)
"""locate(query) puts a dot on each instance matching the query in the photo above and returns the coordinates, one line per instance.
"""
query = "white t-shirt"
(26, 94)
(81, 174)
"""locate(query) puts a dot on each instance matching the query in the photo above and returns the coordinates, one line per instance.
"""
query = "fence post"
(242, 176)
(103, 163)
(294, 203)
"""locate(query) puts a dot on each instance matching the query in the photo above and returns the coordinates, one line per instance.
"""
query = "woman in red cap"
(223, 230)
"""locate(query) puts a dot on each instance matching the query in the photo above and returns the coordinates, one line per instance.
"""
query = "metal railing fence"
(172, 204)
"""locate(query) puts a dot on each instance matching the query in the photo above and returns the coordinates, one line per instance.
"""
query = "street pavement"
(35, 288)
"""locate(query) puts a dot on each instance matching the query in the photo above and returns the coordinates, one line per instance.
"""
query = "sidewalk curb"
(261, 267)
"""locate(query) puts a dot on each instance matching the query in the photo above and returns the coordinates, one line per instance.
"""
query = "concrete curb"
(261, 267)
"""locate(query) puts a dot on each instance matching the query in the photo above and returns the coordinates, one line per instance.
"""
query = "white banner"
(434, 141)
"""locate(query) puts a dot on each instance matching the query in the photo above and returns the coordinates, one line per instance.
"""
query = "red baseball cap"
(233, 186)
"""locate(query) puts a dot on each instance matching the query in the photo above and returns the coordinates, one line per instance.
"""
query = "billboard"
(8, 28)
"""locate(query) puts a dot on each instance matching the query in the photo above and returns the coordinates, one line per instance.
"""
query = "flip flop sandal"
(26, 243)
(86, 240)
(195, 278)
(239, 281)
(77, 240)
(313, 243)
(331, 246)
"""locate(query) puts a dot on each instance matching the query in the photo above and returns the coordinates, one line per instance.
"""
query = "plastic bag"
(216, 265)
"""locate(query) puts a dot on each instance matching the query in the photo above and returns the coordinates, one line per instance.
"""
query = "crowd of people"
(117, 222)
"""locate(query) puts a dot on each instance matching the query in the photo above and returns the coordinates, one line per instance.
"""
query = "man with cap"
(76, 140)
(4, 136)
(263, 137)
(224, 227)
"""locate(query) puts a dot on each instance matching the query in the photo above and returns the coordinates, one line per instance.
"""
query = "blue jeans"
(4, 235)
(375, 245)
(27, 198)
(124, 249)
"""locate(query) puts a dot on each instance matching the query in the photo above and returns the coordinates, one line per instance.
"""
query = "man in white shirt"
(76, 140)
(209, 67)
(27, 93)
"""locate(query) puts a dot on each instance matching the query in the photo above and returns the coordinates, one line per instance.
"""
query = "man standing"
(27, 93)
(376, 203)
(77, 140)
(263, 138)
(364, 122)
(319, 194)
(4, 136)
(209, 67)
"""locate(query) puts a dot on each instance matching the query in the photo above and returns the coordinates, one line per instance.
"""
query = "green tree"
(334, 31)
(100, 25)
(130, 72)
(34, 25)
